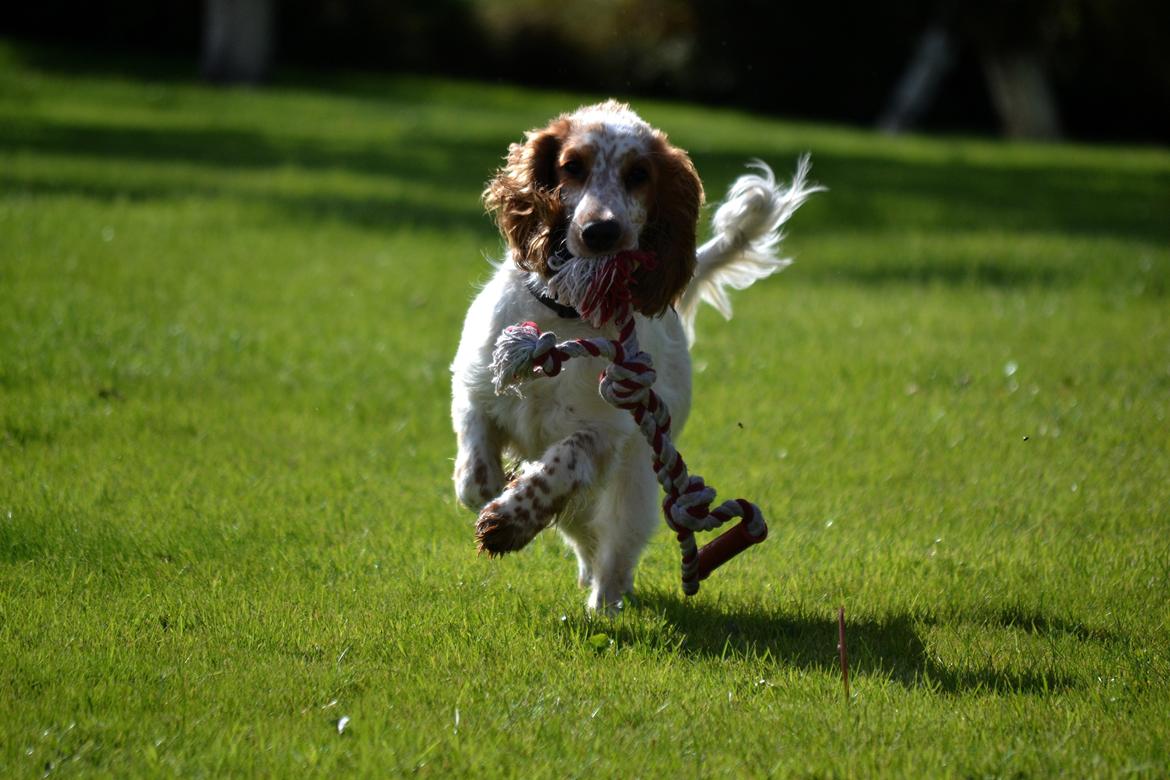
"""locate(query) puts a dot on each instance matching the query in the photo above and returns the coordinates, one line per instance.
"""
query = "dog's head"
(597, 182)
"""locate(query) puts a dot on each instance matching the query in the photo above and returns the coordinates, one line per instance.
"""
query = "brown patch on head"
(676, 195)
(575, 159)
(524, 196)
(638, 176)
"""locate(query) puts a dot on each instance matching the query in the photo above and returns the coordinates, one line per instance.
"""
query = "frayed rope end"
(518, 350)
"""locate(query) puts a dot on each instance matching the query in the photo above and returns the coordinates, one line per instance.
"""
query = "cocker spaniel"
(593, 183)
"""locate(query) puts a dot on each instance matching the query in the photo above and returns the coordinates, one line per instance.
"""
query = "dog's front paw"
(511, 521)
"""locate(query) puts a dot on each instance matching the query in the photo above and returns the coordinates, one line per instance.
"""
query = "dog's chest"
(555, 407)
(552, 408)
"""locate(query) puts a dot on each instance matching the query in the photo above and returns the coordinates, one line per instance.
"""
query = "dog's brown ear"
(670, 231)
(524, 199)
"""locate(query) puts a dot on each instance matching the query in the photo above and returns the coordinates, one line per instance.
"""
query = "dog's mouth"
(562, 253)
(596, 287)
(569, 241)
(600, 289)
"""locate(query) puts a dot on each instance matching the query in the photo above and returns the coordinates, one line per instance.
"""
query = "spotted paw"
(511, 521)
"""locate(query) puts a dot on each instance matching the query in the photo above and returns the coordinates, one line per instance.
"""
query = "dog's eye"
(573, 169)
(639, 174)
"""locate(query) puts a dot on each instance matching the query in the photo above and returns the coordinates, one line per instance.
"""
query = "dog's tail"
(747, 235)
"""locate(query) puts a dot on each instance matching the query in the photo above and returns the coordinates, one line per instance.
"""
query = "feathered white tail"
(747, 234)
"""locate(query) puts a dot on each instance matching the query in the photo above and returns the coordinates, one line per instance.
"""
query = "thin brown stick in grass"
(841, 653)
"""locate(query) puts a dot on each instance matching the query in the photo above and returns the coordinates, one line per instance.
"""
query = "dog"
(593, 183)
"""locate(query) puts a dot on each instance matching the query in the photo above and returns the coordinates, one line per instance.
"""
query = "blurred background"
(1042, 69)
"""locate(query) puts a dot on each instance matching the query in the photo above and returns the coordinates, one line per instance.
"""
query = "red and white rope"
(523, 351)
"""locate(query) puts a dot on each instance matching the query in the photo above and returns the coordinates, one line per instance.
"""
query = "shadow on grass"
(437, 158)
(872, 191)
(869, 193)
(423, 164)
(872, 187)
(891, 648)
(1027, 619)
(947, 271)
(367, 211)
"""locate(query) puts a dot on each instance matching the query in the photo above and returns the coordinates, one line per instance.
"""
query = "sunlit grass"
(226, 520)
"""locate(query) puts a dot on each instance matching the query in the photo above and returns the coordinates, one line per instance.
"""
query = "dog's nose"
(602, 235)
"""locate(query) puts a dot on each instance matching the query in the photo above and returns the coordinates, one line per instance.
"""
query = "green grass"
(226, 518)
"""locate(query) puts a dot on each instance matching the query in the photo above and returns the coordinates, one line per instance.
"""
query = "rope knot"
(691, 507)
(545, 354)
(627, 384)
(518, 348)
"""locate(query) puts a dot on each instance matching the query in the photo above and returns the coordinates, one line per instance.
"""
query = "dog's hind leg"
(575, 526)
(624, 519)
(530, 501)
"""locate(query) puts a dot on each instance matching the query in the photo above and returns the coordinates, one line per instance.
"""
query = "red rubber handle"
(724, 547)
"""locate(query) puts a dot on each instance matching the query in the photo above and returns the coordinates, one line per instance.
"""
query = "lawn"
(228, 538)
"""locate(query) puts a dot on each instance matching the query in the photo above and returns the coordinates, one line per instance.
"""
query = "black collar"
(540, 293)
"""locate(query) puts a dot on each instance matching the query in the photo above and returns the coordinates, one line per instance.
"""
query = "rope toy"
(601, 291)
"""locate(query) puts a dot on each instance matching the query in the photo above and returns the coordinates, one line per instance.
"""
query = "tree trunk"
(237, 40)
(919, 84)
(1022, 95)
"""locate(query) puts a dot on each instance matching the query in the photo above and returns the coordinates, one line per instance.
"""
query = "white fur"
(747, 229)
(602, 196)
(608, 501)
